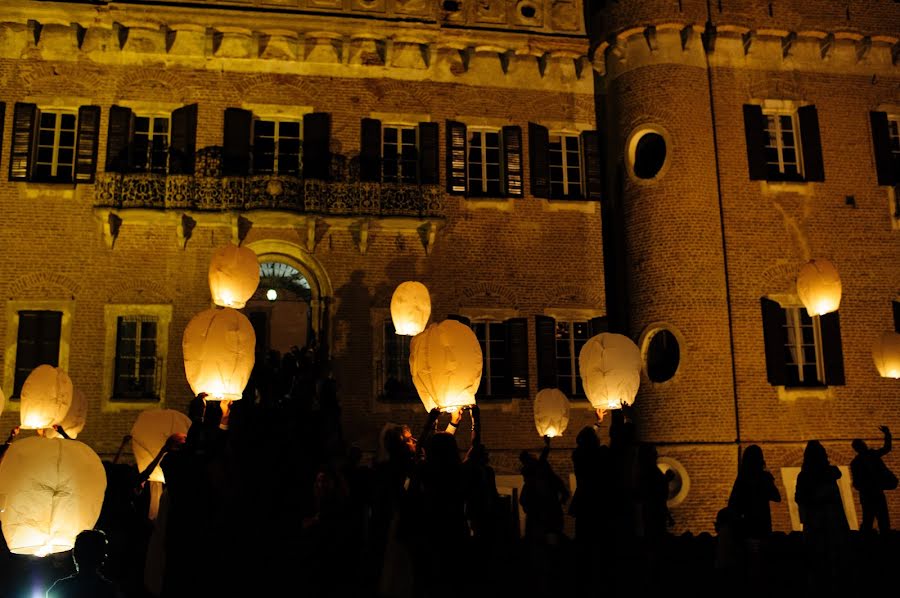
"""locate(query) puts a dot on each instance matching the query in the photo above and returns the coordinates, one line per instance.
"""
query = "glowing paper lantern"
(819, 287)
(551, 412)
(54, 490)
(73, 422)
(410, 308)
(2, 401)
(233, 276)
(886, 353)
(445, 362)
(46, 397)
(149, 433)
(218, 347)
(610, 367)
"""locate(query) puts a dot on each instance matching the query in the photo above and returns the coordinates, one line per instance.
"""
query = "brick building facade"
(453, 144)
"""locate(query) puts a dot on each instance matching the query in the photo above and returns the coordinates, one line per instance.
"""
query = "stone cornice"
(315, 45)
(736, 46)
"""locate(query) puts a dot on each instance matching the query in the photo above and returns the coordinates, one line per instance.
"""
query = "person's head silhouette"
(859, 445)
(90, 550)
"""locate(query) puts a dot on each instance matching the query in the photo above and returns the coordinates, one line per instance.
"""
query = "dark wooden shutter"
(832, 348)
(598, 325)
(2, 125)
(539, 162)
(886, 166)
(517, 356)
(317, 146)
(545, 335)
(370, 150)
(456, 158)
(755, 134)
(22, 149)
(775, 339)
(811, 144)
(593, 165)
(119, 155)
(86, 144)
(458, 318)
(183, 144)
(512, 161)
(429, 158)
(236, 142)
(37, 343)
(896, 316)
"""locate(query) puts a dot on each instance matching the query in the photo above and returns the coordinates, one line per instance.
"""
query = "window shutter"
(86, 145)
(517, 356)
(512, 160)
(22, 149)
(896, 316)
(775, 339)
(317, 146)
(370, 150)
(832, 349)
(545, 328)
(456, 158)
(37, 343)
(755, 133)
(598, 325)
(462, 319)
(885, 165)
(539, 154)
(183, 135)
(2, 123)
(236, 142)
(119, 155)
(593, 165)
(811, 144)
(429, 160)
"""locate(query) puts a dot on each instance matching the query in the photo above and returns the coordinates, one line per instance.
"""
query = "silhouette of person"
(89, 554)
(869, 473)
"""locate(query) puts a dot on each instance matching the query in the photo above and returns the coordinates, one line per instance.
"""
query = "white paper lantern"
(886, 353)
(445, 362)
(54, 490)
(46, 397)
(233, 276)
(819, 287)
(410, 308)
(219, 350)
(2, 401)
(551, 412)
(73, 423)
(610, 367)
(150, 432)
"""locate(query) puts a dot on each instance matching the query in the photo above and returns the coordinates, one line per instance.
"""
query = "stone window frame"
(573, 315)
(379, 316)
(278, 113)
(644, 344)
(631, 144)
(13, 307)
(483, 179)
(492, 315)
(563, 134)
(789, 479)
(111, 314)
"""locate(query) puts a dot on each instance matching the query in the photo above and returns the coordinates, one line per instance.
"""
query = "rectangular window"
(55, 147)
(803, 349)
(277, 147)
(136, 373)
(399, 154)
(398, 385)
(894, 134)
(570, 338)
(484, 170)
(151, 143)
(783, 157)
(565, 165)
(37, 343)
(494, 376)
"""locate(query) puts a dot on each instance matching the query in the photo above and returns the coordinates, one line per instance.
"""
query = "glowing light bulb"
(271, 294)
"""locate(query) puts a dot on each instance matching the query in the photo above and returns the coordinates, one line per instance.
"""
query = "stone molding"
(735, 46)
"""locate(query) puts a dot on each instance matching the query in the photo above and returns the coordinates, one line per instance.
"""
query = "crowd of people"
(265, 495)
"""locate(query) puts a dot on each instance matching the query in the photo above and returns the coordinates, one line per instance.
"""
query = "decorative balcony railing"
(273, 192)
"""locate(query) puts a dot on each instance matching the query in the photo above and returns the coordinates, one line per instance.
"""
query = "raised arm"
(475, 412)
(173, 441)
(428, 429)
(545, 452)
(12, 434)
(888, 444)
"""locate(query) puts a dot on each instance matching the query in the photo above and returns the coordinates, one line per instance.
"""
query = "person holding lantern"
(89, 555)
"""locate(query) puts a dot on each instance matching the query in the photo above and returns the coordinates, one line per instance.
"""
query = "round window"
(663, 356)
(649, 155)
(678, 479)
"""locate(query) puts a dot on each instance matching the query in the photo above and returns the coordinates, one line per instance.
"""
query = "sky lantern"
(610, 366)
(46, 397)
(54, 490)
(551, 412)
(219, 351)
(886, 354)
(233, 276)
(2, 401)
(410, 308)
(445, 362)
(73, 423)
(819, 287)
(150, 432)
